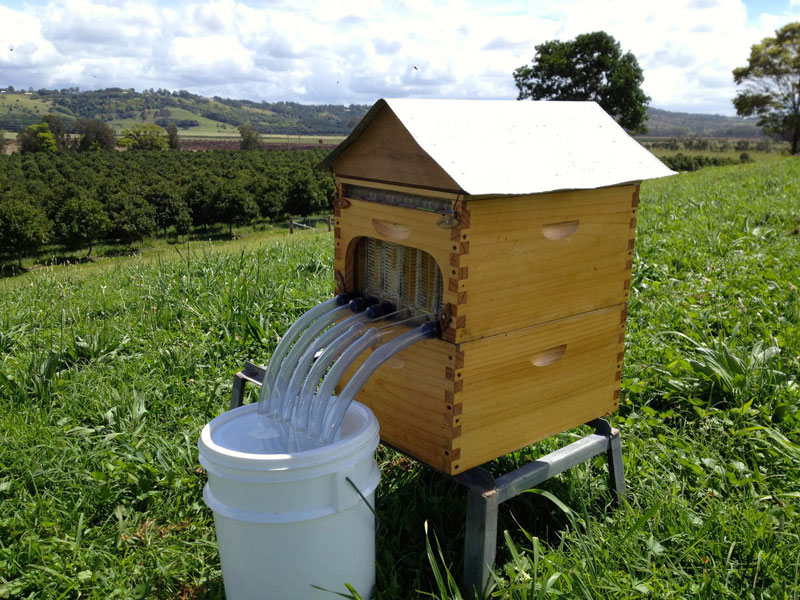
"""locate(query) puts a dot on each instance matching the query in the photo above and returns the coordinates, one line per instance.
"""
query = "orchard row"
(79, 199)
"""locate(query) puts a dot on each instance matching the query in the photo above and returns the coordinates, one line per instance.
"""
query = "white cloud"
(336, 51)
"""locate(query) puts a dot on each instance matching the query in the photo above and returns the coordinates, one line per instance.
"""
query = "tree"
(58, 130)
(251, 140)
(23, 226)
(95, 135)
(172, 135)
(270, 195)
(234, 205)
(144, 136)
(81, 221)
(199, 198)
(590, 67)
(36, 138)
(3, 142)
(131, 216)
(303, 196)
(771, 83)
(170, 208)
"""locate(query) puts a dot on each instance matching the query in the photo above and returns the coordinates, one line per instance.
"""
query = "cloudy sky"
(355, 51)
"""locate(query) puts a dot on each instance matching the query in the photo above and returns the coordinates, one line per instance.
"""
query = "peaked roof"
(506, 147)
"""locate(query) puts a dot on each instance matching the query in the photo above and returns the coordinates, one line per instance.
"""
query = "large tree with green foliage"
(132, 217)
(95, 135)
(23, 226)
(36, 138)
(771, 85)
(2, 142)
(144, 136)
(303, 197)
(170, 208)
(81, 221)
(58, 129)
(590, 67)
(173, 138)
(251, 140)
(234, 205)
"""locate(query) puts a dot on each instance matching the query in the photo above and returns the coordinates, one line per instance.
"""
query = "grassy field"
(206, 127)
(23, 101)
(108, 372)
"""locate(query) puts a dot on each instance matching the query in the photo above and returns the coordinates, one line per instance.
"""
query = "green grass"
(21, 100)
(109, 371)
(206, 127)
(113, 255)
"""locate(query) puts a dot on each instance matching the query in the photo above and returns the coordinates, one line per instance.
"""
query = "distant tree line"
(79, 198)
(683, 162)
(711, 145)
(288, 118)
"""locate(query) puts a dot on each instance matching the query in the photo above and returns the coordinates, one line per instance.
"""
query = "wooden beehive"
(529, 210)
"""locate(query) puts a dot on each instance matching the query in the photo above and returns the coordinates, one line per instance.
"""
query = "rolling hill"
(198, 116)
(195, 115)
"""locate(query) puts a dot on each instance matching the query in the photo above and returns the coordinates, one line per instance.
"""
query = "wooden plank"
(486, 443)
(401, 225)
(385, 151)
(541, 258)
(407, 441)
(410, 387)
(404, 189)
(522, 386)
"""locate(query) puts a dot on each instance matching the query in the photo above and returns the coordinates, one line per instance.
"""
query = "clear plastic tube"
(331, 353)
(277, 396)
(371, 337)
(285, 343)
(374, 313)
(304, 364)
(335, 413)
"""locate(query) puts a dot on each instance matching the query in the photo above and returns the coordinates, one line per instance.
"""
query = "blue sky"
(356, 51)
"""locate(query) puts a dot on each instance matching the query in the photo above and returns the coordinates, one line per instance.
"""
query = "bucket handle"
(369, 506)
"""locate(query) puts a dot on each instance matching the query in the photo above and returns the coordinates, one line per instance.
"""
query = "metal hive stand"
(485, 493)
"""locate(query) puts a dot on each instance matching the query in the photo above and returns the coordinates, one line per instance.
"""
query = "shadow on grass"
(211, 589)
(10, 270)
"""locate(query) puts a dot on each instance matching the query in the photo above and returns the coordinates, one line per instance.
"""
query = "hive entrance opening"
(406, 276)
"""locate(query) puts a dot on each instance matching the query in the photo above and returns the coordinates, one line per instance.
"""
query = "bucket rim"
(367, 434)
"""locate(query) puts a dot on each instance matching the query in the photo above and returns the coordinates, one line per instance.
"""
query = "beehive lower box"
(535, 298)
(456, 406)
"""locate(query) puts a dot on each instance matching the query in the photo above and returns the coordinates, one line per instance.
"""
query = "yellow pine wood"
(502, 364)
(480, 445)
(539, 272)
(418, 191)
(425, 362)
(385, 151)
(406, 440)
(516, 271)
(360, 218)
(508, 403)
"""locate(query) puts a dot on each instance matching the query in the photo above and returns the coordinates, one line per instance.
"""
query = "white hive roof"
(506, 147)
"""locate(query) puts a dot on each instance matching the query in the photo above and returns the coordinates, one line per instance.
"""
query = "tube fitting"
(380, 309)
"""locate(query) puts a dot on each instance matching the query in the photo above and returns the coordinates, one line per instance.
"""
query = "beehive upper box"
(492, 147)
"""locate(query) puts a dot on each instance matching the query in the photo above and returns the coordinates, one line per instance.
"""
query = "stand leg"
(616, 470)
(237, 394)
(480, 541)
(251, 373)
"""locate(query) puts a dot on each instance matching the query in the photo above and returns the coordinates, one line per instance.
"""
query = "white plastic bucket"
(288, 522)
